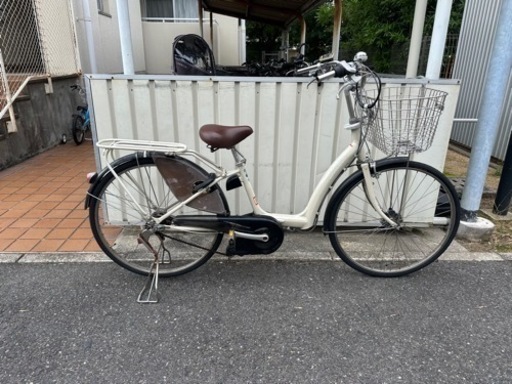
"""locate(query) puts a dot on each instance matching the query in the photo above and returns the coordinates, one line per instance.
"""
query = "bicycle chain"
(192, 245)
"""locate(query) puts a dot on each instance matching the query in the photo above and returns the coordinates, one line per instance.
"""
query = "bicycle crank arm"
(249, 236)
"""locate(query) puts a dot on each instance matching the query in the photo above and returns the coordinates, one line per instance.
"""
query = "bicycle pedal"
(231, 248)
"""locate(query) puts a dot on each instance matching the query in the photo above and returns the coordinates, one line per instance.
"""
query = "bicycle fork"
(370, 193)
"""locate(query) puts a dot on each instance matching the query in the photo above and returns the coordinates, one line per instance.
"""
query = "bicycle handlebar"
(337, 69)
(355, 72)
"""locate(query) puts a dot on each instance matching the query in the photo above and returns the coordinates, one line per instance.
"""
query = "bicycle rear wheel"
(419, 198)
(78, 129)
(117, 223)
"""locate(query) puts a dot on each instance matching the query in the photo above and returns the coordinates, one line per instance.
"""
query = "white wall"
(158, 39)
(159, 36)
(228, 45)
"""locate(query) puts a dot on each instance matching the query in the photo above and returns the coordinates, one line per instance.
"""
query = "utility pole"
(489, 117)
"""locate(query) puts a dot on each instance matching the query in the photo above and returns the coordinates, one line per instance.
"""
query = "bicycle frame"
(304, 220)
(87, 117)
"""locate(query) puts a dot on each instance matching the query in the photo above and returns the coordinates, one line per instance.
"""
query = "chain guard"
(249, 224)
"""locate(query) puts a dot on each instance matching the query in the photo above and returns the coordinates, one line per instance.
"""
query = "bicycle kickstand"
(149, 293)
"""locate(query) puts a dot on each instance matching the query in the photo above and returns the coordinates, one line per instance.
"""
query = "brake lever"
(353, 81)
(312, 81)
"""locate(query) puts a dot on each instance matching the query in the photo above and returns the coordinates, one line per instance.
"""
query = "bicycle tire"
(116, 224)
(88, 132)
(427, 211)
(77, 129)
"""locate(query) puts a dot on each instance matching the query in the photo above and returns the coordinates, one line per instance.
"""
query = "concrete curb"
(77, 257)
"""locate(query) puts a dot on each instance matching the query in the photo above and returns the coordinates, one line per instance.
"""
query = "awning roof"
(280, 13)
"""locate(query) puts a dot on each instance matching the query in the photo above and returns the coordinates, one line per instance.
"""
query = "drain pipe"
(89, 33)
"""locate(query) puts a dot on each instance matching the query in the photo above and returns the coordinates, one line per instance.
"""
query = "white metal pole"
(89, 33)
(336, 29)
(8, 96)
(123, 16)
(242, 43)
(211, 33)
(285, 44)
(200, 13)
(416, 38)
(489, 117)
(302, 30)
(438, 42)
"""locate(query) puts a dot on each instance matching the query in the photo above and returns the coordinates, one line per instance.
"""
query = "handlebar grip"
(326, 75)
(338, 71)
(308, 69)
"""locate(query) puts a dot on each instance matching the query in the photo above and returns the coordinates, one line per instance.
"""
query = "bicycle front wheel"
(420, 199)
(121, 210)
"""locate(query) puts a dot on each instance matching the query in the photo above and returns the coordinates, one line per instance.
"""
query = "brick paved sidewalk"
(41, 202)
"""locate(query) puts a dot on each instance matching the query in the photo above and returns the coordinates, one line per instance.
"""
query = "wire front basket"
(405, 120)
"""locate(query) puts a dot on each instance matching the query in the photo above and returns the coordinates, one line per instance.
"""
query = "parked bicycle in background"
(81, 126)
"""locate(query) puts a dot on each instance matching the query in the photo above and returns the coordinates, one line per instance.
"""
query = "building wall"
(41, 120)
(159, 37)
(228, 41)
(158, 40)
(471, 65)
(106, 38)
(152, 41)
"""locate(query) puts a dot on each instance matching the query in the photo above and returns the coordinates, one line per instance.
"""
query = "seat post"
(239, 158)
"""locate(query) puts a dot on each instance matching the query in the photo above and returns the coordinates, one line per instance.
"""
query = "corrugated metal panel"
(295, 127)
(472, 61)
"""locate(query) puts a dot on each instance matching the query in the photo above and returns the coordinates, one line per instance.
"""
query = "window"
(169, 8)
(103, 7)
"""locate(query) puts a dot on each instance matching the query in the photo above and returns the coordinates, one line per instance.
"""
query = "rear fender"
(95, 179)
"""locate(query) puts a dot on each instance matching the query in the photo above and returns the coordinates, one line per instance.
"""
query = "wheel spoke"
(408, 192)
(117, 222)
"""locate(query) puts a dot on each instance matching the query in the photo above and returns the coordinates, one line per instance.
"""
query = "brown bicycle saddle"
(223, 136)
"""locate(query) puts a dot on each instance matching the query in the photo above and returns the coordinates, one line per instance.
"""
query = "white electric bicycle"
(156, 212)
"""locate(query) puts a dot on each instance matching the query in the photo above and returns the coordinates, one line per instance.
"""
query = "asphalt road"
(257, 322)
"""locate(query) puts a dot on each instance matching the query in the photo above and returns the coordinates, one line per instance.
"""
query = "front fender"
(329, 211)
